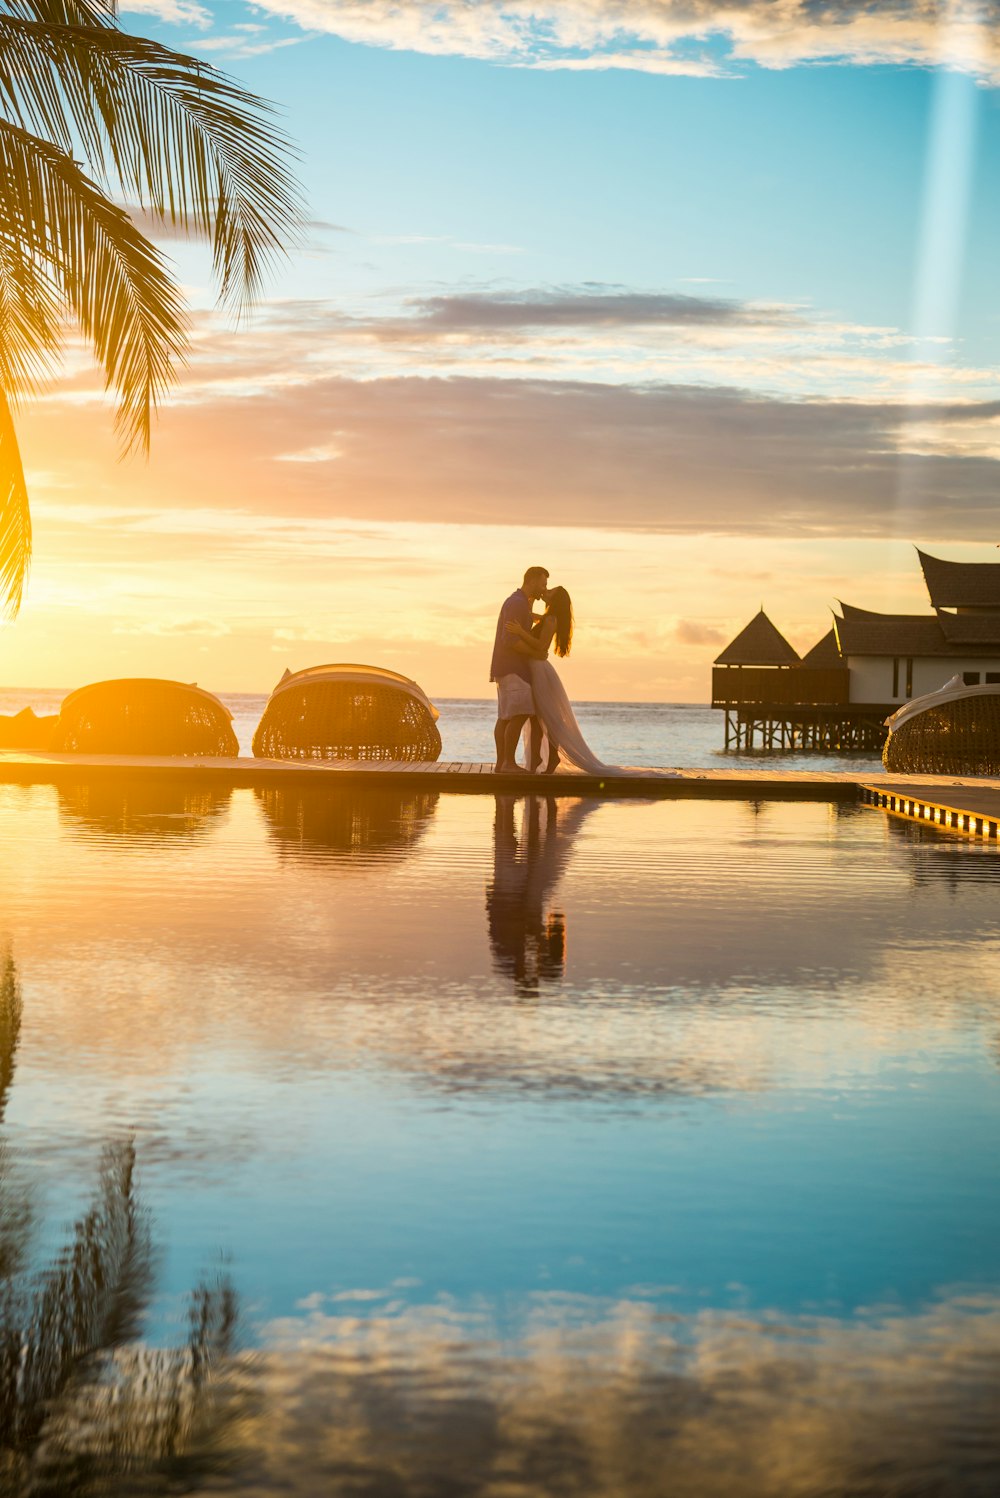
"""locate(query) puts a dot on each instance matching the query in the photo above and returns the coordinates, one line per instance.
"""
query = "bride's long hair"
(560, 605)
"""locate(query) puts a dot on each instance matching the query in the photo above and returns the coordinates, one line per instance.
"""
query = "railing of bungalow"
(796, 685)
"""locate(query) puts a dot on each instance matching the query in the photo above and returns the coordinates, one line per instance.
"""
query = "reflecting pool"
(422, 1144)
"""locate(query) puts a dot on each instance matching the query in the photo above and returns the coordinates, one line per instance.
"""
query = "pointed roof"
(970, 629)
(851, 611)
(759, 644)
(825, 653)
(891, 634)
(961, 585)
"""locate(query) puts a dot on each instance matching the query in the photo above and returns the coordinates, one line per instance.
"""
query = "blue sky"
(574, 274)
(803, 184)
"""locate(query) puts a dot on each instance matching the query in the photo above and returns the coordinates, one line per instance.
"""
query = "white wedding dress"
(555, 713)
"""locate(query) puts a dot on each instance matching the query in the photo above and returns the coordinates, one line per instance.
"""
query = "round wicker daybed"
(348, 712)
(145, 715)
(955, 731)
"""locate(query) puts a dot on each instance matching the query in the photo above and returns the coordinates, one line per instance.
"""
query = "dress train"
(555, 713)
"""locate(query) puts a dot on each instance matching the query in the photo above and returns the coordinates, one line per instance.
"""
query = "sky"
(694, 305)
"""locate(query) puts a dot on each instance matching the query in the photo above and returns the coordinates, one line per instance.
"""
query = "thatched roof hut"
(760, 643)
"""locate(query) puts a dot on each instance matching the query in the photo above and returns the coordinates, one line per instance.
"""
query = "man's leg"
(500, 739)
(511, 738)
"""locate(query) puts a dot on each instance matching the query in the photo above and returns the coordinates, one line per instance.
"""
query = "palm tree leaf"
(113, 280)
(32, 315)
(15, 519)
(189, 143)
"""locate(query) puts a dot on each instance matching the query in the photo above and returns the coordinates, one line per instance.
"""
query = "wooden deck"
(952, 803)
(37, 768)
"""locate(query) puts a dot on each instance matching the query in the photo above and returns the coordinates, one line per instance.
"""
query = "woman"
(553, 711)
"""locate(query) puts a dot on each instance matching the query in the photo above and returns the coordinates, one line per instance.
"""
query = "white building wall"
(871, 675)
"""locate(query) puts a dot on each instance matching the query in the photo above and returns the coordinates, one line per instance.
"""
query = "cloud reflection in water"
(620, 1400)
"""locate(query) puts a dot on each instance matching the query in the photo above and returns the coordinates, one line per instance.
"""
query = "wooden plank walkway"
(38, 768)
(954, 803)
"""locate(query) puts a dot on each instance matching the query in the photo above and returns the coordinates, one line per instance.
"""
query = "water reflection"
(82, 1401)
(937, 856)
(10, 1024)
(527, 938)
(142, 810)
(336, 819)
(764, 1064)
(589, 1400)
(15, 1207)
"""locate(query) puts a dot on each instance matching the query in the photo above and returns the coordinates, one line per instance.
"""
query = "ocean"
(685, 735)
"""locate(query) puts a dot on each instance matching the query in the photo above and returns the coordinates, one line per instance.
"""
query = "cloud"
(472, 247)
(174, 12)
(207, 628)
(669, 36)
(678, 459)
(591, 331)
(237, 44)
(157, 228)
(690, 632)
(586, 307)
(324, 226)
(326, 452)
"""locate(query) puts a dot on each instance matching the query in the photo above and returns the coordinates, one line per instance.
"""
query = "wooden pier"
(798, 708)
(825, 730)
(953, 804)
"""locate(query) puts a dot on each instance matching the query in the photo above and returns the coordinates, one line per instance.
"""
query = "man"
(511, 670)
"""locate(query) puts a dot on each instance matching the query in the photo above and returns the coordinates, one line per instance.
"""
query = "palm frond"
(188, 142)
(113, 280)
(32, 314)
(15, 519)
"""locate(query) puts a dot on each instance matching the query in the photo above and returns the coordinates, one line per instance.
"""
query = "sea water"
(687, 735)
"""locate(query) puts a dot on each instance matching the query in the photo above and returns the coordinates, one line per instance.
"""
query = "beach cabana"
(145, 715)
(348, 712)
(954, 731)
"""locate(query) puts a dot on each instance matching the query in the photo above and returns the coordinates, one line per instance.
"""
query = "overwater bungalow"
(840, 693)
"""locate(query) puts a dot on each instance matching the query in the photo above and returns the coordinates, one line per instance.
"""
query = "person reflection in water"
(527, 938)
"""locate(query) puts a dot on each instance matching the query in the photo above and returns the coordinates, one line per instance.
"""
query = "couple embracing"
(529, 690)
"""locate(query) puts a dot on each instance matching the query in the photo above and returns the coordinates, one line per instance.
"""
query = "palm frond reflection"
(11, 1006)
(81, 1399)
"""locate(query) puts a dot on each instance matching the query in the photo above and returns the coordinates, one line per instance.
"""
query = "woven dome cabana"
(955, 731)
(348, 712)
(145, 715)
